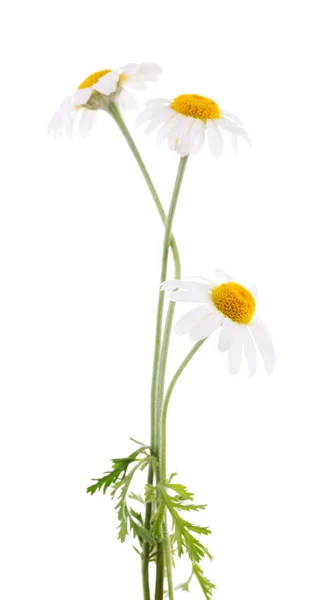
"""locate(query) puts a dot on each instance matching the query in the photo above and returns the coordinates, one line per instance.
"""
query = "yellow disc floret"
(198, 107)
(234, 301)
(92, 79)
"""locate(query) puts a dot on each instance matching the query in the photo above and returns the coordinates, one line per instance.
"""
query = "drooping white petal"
(212, 283)
(197, 135)
(234, 128)
(206, 327)
(232, 116)
(250, 351)
(192, 317)
(185, 146)
(263, 339)
(107, 83)
(62, 121)
(235, 351)
(130, 69)
(150, 71)
(157, 120)
(82, 96)
(220, 273)
(215, 138)
(125, 100)
(171, 123)
(253, 289)
(226, 335)
(157, 102)
(86, 122)
(177, 136)
(149, 113)
(191, 296)
(182, 284)
(133, 84)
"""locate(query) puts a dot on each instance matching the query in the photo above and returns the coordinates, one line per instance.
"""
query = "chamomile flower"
(229, 307)
(98, 91)
(185, 120)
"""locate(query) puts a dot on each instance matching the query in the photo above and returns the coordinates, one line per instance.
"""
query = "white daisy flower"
(229, 307)
(97, 92)
(185, 120)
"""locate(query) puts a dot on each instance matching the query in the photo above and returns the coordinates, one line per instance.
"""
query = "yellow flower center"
(198, 107)
(92, 79)
(234, 301)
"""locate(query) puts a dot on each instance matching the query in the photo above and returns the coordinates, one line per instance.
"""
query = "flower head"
(98, 91)
(229, 307)
(185, 120)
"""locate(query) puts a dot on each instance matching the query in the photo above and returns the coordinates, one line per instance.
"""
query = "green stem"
(114, 112)
(163, 462)
(163, 357)
(171, 308)
(163, 449)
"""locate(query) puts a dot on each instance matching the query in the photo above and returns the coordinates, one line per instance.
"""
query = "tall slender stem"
(171, 308)
(163, 436)
(114, 112)
(169, 239)
(164, 266)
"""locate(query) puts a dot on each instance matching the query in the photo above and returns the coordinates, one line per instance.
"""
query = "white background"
(80, 256)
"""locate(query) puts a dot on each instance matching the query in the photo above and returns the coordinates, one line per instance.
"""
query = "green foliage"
(168, 498)
(119, 480)
(205, 583)
(183, 530)
(119, 469)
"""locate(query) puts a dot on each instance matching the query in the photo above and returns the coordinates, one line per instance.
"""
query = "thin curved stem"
(163, 436)
(114, 112)
(171, 308)
(164, 265)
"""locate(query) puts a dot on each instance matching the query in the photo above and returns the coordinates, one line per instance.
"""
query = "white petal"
(157, 121)
(253, 289)
(150, 71)
(182, 284)
(62, 121)
(215, 138)
(82, 96)
(212, 283)
(235, 351)
(134, 84)
(146, 115)
(194, 296)
(206, 327)
(177, 136)
(263, 340)
(107, 83)
(86, 122)
(250, 351)
(220, 273)
(158, 102)
(125, 100)
(231, 116)
(192, 317)
(171, 123)
(234, 129)
(130, 69)
(226, 335)
(197, 135)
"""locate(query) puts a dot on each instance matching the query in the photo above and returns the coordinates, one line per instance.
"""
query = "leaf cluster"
(176, 499)
(118, 480)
